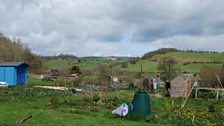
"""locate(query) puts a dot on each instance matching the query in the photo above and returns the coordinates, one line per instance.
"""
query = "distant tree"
(159, 51)
(64, 72)
(168, 67)
(75, 69)
(37, 64)
(208, 76)
(62, 56)
(124, 64)
(102, 69)
(133, 61)
(15, 51)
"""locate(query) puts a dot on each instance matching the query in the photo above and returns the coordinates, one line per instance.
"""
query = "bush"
(54, 101)
(77, 82)
(75, 69)
(133, 61)
(124, 64)
(96, 98)
(102, 69)
(208, 76)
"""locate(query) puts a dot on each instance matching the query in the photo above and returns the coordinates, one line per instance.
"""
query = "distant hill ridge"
(159, 51)
(186, 57)
(61, 56)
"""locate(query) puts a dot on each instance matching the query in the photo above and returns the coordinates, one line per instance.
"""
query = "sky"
(113, 27)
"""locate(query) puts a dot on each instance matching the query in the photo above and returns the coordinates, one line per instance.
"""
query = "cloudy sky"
(113, 27)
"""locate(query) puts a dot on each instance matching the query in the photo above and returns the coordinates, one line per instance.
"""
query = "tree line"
(61, 56)
(159, 51)
(13, 50)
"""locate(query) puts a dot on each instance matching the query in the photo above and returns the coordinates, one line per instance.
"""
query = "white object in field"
(77, 89)
(154, 86)
(115, 79)
(121, 111)
(3, 84)
(54, 88)
(42, 76)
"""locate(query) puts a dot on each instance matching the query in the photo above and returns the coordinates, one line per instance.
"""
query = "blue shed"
(14, 73)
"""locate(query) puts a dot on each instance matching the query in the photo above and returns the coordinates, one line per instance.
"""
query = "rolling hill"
(182, 57)
(188, 61)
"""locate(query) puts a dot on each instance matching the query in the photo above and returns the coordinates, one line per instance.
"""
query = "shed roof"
(13, 64)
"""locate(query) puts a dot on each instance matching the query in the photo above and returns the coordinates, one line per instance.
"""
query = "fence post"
(217, 95)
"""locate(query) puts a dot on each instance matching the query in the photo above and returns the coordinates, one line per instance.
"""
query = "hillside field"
(58, 64)
(197, 57)
(195, 62)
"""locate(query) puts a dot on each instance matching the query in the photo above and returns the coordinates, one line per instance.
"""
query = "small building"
(14, 73)
(181, 86)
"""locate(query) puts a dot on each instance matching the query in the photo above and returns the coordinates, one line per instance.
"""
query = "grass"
(64, 115)
(91, 63)
(199, 57)
(47, 117)
(79, 109)
(34, 81)
(85, 63)
(147, 66)
(58, 64)
(196, 67)
(151, 67)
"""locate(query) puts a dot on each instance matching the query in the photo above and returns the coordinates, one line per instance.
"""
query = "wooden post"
(141, 69)
(196, 93)
(217, 95)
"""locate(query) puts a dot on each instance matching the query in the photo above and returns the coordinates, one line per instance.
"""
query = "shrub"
(124, 64)
(133, 61)
(96, 98)
(102, 69)
(54, 101)
(75, 69)
(208, 76)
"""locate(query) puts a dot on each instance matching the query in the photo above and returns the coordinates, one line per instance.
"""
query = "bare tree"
(168, 67)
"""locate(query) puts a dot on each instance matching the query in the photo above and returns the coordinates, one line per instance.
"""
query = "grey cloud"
(86, 27)
(186, 42)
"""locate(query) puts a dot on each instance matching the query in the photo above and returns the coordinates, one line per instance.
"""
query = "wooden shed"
(14, 73)
(181, 86)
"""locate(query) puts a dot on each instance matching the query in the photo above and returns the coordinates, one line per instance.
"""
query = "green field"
(58, 64)
(85, 63)
(147, 66)
(196, 67)
(92, 63)
(188, 56)
(151, 67)
(196, 62)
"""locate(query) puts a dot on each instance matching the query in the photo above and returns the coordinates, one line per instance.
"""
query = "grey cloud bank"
(113, 27)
